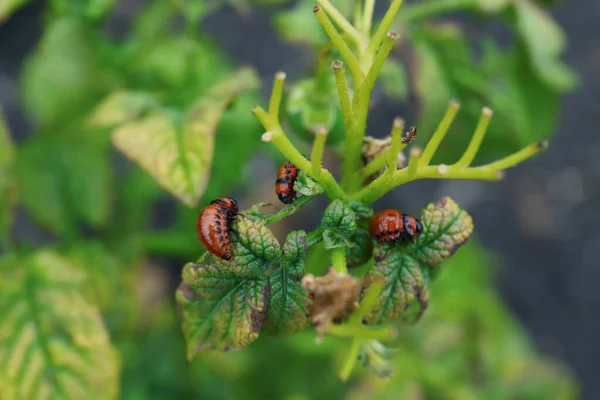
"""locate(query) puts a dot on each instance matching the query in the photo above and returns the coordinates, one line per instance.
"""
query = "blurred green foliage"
(80, 318)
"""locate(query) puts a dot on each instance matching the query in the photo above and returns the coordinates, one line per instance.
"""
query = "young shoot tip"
(267, 137)
(487, 111)
(455, 104)
(280, 76)
(398, 122)
(321, 131)
(416, 151)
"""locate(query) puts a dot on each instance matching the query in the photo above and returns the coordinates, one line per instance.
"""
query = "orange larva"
(284, 185)
(212, 226)
(391, 225)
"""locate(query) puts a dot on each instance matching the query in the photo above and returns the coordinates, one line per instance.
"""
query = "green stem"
(394, 148)
(439, 133)
(363, 331)
(343, 23)
(368, 16)
(340, 44)
(289, 209)
(390, 155)
(381, 186)
(276, 93)
(344, 96)
(338, 259)
(413, 161)
(354, 147)
(317, 153)
(482, 125)
(384, 27)
(351, 360)
(315, 236)
(368, 302)
(516, 158)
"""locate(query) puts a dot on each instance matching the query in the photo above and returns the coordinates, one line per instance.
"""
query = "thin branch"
(482, 125)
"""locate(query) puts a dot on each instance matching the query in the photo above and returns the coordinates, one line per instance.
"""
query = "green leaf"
(287, 311)
(64, 180)
(445, 228)
(8, 194)
(299, 25)
(406, 269)
(361, 211)
(307, 186)
(8, 7)
(339, 222)
(66, 75)
(93, 9)
(524, 106)
(177, 151)
(393, 80)
(220, 309)
(545, 42)
(53, 343)
(362, 249)
(254, 247)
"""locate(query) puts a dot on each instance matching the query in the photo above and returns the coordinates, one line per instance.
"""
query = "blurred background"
(528, 273)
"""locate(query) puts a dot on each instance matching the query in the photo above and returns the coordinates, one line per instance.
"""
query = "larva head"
(228, 202)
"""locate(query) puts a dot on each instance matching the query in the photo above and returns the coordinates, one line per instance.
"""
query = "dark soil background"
(542, 221)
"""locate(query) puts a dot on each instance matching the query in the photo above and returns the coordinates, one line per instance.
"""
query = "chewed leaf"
(220, 309)
(121, 106)
(339, 222)
(445, 228)
(254, 247)
(53, 343)
(288, 304)
(8, 195)
(177, 150)
(408, 269)
(307, 186)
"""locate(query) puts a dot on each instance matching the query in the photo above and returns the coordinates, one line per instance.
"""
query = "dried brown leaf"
(334, 296)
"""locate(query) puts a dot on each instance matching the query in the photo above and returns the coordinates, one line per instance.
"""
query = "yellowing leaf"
(53, 344)
(445, 228)
(119, 107)
(177, 150)
(406, 270)
(220, 309)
